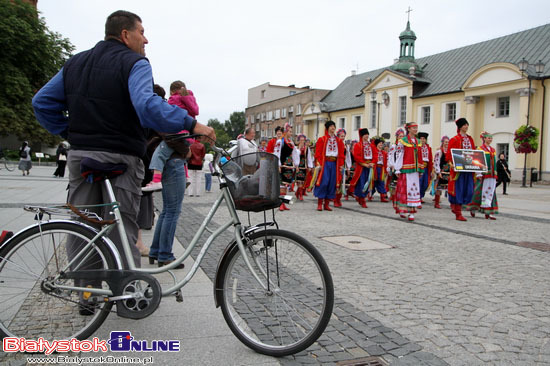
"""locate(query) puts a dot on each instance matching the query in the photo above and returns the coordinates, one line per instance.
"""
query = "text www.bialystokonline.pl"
(91, 360)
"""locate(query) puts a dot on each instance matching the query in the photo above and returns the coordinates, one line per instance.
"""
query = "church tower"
(407, 63)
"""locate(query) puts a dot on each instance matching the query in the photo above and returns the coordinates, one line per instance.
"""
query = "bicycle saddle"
(93, 170)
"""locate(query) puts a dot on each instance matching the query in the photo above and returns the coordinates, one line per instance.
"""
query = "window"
(291, 120)
(503, 107)
(450, 112)
(283, 113)
(356, 122)
(373, 112)
(290, 109)
(426, 115)
(270, 115)
(277, 113)
(402, 110)
(263, 94)
(299, 110)
(263, 116)
(503, 149)
(292, 92)
(342, 122)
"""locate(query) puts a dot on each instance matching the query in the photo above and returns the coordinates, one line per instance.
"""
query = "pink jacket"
(187, 102)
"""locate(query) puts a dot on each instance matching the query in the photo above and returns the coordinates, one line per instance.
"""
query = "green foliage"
(229, 130)
(235, 125)
(222, 138)
(31, 55)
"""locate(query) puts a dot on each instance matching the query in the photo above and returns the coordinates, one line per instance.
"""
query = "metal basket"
(253, 180)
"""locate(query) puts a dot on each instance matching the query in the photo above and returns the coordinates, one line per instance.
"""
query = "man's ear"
(124, 37)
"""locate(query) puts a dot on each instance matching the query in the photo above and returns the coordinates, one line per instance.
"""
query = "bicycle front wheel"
(31, 306)
(296, 308)
(10, 165)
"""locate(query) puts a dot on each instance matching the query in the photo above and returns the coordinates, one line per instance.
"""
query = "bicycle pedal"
(179, 296)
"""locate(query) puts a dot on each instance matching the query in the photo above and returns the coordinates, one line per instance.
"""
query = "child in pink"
(183, 98)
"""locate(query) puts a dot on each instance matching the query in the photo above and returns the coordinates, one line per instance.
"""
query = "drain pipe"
(542, 125)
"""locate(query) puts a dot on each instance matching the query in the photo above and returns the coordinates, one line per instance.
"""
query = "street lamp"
(539, 68)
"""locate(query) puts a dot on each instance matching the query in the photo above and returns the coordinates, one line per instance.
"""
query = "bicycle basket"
(253, 180)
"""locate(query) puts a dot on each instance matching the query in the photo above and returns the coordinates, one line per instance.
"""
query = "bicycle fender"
(218, 285)
(106, 240)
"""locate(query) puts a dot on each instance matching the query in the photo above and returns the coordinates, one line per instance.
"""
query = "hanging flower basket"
(526, 139)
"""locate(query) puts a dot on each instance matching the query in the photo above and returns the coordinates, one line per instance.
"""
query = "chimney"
(353, 72)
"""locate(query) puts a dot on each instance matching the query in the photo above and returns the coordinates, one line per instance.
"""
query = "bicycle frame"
(224, 195)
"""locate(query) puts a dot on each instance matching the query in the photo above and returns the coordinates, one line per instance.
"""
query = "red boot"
(327, 207)
(383, 198)
(437, 198)
(283, 207)
(319, 204)
(346, 197)
(458, 213)
(337, 202)
(362, 202)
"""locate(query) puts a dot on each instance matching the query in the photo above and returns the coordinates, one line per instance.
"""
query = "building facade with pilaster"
(481, 82)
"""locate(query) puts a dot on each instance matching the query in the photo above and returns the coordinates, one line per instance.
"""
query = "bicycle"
(274, 288)
(8, 164)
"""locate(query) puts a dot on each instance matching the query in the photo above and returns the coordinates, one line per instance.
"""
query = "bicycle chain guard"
(136, 294)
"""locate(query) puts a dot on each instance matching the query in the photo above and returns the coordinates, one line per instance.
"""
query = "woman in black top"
(503, 173)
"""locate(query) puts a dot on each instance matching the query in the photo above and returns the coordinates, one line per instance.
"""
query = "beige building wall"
(266, 93)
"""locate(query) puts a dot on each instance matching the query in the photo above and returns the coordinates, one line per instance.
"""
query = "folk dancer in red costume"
(380, 158)
(363, 155)
(461, 184)
(442, 168)
(329, 157)
(409, 166)
(341, 134)
(426, 177)
(288, 159)
(391, 168)
(485, 198)
(274, 145)
(305, 162)
(349, 164)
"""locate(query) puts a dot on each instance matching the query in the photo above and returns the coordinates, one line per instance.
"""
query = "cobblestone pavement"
(447, 292)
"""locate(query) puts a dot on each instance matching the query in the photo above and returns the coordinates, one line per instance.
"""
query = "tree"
(235, 125)
(31, 55)
(222, 138)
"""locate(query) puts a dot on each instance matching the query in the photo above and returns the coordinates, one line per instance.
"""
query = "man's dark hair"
(118, 21)
(247, 131)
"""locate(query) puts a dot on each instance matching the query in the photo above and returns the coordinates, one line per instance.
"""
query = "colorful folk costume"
(309, 183)
(305, 162)
(274, 145)
(461, 184)
(380, 159)
(409, 166)
(485, 184)
(288, 160)
(363, 155)
(329, 156)
(350, 168)
(426, 177)
(391, 169)
(341, 134)
(442, 168)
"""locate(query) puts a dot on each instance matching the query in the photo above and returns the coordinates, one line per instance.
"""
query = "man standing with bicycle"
(108, 94)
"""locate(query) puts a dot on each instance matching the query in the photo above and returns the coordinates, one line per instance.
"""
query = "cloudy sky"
(220, 49)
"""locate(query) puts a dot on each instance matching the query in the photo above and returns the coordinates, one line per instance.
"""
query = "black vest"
(101, 114)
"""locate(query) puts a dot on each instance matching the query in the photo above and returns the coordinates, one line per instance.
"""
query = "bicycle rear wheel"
(29, 306)
(10, 165)
(297, 308)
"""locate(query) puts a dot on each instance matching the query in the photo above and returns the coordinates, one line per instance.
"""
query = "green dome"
(407, 33)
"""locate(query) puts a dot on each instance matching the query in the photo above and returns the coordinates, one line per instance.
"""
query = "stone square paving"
(444, 292)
